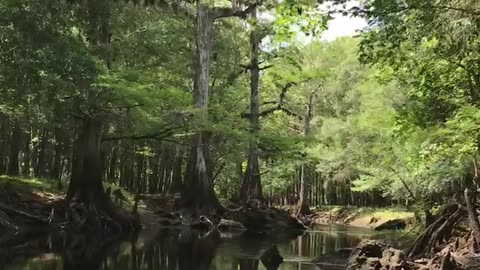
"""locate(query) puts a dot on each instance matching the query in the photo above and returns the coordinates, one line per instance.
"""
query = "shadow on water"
(160, 249)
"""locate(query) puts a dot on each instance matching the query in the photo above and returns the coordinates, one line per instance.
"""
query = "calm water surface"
(160, 249)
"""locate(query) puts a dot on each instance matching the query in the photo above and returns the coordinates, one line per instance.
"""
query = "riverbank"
(27, 203)
(360, 217)
(39, 197)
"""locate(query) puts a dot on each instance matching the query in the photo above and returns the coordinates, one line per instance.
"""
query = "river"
(161, 249)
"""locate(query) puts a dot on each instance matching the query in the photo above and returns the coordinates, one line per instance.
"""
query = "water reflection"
(158, 249)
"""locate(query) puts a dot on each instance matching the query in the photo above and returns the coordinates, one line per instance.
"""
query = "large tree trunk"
(251, 186)
(198, 193)
(90, 208)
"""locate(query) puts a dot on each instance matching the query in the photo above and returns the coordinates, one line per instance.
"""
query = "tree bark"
(251, 186)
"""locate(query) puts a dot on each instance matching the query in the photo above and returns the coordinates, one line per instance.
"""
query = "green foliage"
(406, 125)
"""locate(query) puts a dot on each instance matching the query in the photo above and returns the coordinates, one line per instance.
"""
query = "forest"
(240, 110)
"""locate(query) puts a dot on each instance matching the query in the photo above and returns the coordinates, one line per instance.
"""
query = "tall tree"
(251, 185)
(198, 193)
(88, 202)
(306, 172)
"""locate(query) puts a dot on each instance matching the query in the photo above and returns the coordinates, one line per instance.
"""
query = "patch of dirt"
(348, 216)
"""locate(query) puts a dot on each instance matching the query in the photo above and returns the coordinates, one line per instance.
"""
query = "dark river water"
(160, 249)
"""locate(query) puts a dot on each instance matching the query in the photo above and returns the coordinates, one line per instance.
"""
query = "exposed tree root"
(10, 210)
(472, 216)
(437, 233)
(105, 218)
(456, 252)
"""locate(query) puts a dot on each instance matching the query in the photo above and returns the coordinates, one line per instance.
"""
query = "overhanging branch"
(160, 135)
(223, 12)
(280, 104)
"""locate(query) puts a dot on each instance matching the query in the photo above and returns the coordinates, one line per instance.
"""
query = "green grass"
(31, 184)
(22, 184)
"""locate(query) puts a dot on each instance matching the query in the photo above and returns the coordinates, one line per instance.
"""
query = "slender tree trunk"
(302, 205)
(112, 167)
(139, 177)
(13, 168)
(198, 193)
(55, 172)
(40, 170)
(153, 178)
(161, 170)
(3, 144)
(33, 151)
(176, 185)
(27, 155)
(251, 186)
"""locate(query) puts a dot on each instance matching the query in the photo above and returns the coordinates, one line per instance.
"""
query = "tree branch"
(439, 7)
(404, 183)
(223, 12)
(220, 169)
(161, 135)
(174, 6)
(280, 104)
(266, 67)
(269, 102)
